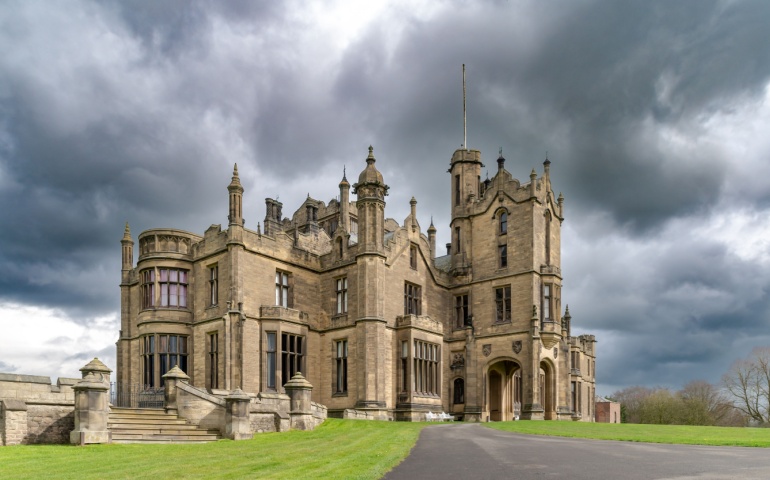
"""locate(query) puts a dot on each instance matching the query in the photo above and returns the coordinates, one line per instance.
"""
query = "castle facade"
(364, 307)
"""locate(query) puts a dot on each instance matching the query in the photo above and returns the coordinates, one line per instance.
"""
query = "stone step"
(163, 431)
(137, 420)
(151, 426)
(133, 438)
(155, 426)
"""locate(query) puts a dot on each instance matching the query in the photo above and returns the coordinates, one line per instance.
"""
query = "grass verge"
(336, 449)
(628, 432)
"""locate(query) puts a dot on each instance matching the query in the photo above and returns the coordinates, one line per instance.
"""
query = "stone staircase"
(154, 425)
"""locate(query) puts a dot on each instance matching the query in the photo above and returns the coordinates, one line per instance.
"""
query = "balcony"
(550, 333)
(422, 322)
(275, 312)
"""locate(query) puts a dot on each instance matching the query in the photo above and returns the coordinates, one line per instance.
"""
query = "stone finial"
(432, 228)
(370, 158)
(533, 174)
(95, 365)
(344, 182)
(176, 372)
(127, 232)
(561, 198)
(298, 381)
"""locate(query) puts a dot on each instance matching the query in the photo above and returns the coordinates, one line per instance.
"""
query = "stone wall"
(33, 410)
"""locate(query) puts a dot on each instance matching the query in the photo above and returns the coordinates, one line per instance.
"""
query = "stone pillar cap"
(298, 381)
(95, 365)
(176, 372)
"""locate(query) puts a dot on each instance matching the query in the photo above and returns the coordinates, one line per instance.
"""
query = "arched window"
(459, 391)
(548, 238)
(503, 223)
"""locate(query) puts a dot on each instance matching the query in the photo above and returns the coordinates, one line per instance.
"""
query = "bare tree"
(704, 404)
(748, 381)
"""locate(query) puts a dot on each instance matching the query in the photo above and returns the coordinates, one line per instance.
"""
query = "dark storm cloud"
(136, 111)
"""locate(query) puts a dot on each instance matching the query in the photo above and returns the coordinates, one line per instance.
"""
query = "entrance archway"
(504, 390)
(547, 391)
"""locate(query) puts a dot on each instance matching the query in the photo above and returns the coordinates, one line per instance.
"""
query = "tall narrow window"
(354, 226)
(503, 223)
(173, 288)
(213, 285)
(412, 299)
(413, 257)
(339, 246)
(517, 388)
(573, 395)
(502, 256)
(271, 359)
(148, 288)
(404, 366)
(461, 311)
(292, 356)
(548, 238)
(342, 366)
(282, 289)
(342, 295)
(148, 360)
(457, 189)
(546, 308)
(503, 304)
(213, 360)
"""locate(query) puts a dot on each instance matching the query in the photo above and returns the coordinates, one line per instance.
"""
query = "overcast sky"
(650, 112)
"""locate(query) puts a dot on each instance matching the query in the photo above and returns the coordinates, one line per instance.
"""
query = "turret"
(344, 221)
(465, 170)
(236, 199)
(272, 216)
(371, 191)
(432, 239)
(127, 247)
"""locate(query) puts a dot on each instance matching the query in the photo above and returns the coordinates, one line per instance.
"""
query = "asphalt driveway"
(464, 450)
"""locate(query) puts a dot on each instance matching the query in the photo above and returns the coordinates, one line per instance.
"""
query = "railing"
(136, 396)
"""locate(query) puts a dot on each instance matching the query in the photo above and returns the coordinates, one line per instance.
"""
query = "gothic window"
(461, 311)
(412, 299)
(342, 295)
(413, 257)
(213, 285)
(503, 223)
(459, 391)
(282, 289)
(341, 361)
(173, 288)
(148, 288)
(212, 366)
(503, 304)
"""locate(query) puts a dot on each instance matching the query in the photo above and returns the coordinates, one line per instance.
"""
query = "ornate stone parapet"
(92, 407)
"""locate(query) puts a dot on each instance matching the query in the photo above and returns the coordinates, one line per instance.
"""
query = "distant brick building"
(363, 306)
(607, 411)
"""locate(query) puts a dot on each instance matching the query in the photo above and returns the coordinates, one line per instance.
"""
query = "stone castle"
(363, 306)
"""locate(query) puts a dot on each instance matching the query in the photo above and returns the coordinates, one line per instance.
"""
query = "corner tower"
(465, 177)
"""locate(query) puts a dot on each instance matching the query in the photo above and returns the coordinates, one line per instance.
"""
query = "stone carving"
(458, 360)
(555, 352)
(487, 349)
(516, 346)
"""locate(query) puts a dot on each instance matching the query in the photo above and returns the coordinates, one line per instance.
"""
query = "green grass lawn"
(683, 434)
(336, 449)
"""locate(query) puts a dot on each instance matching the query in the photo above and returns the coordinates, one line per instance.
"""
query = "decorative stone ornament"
(487, 349)
(517, 346)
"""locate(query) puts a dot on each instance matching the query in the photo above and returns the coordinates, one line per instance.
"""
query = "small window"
(461, 311)
(459, 391)
(503, 223)
(457, 189)
(502, 256)
(413, 257)
(458, 242)
(342, 295)
(213, 285)
(282, 289)
(546, 308)
(503, 304)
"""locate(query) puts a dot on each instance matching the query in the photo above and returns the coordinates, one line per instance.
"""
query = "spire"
(127, 250)
(500, 161)
(370, 159)
(236, 199)
(431, 228)
(127, 233)
(344, 181)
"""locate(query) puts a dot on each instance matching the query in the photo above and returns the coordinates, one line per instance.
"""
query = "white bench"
(438, 417)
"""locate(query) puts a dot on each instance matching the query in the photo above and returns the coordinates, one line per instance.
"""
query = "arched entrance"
(504, 391)
(547, 390)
